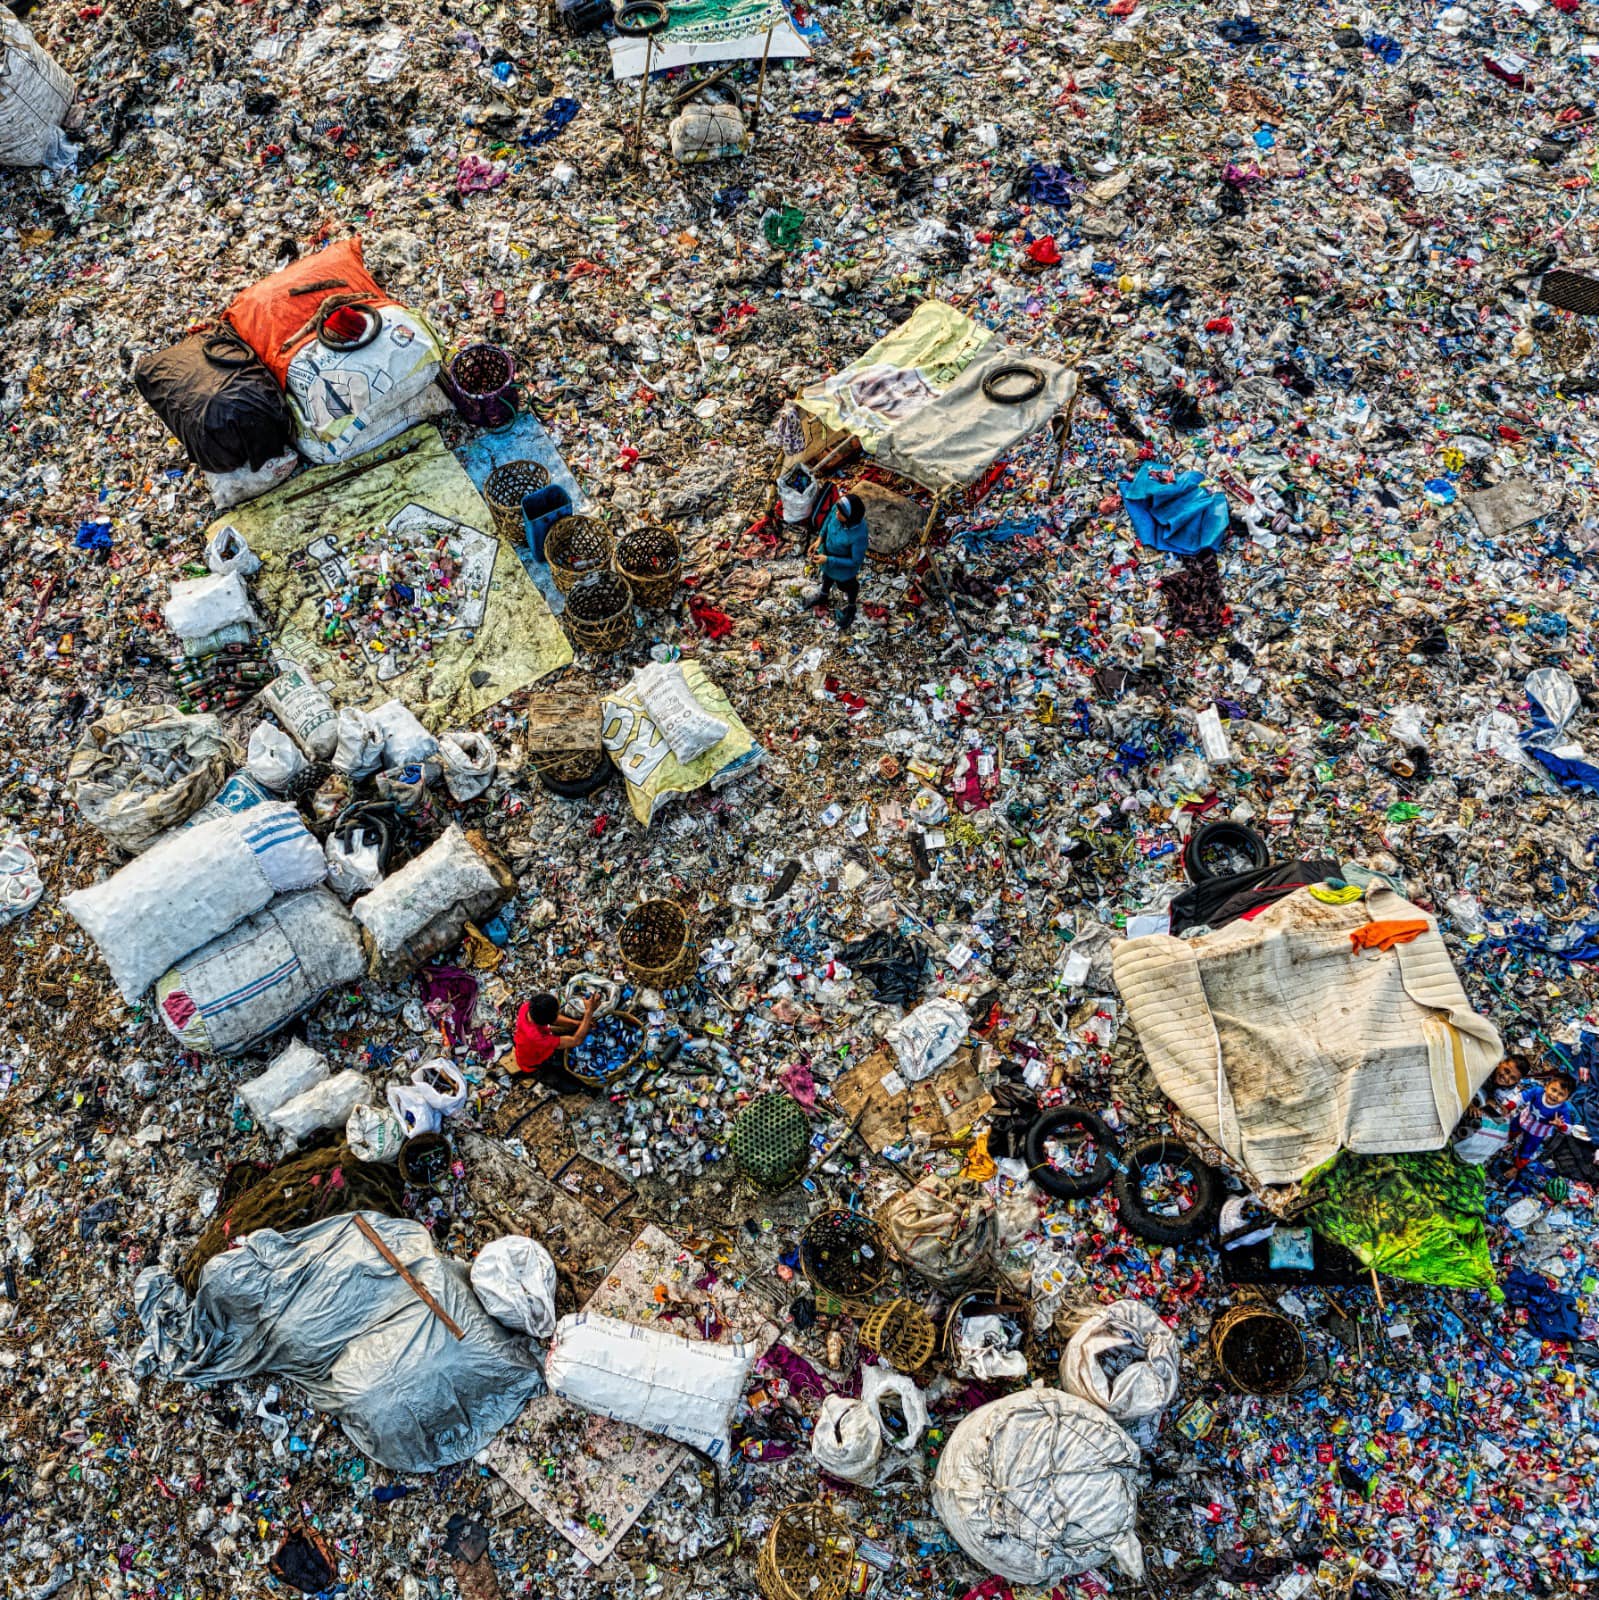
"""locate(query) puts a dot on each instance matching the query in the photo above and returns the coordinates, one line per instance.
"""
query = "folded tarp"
(219, 400)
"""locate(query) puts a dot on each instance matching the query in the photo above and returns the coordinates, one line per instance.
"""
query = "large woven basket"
(843, 1252)
(574, 548)
(599, 613)
(808, 1554)
(505, 490)
(651, 560)
(657, 945)
(481, 380)
(1258, 1349)
(771, 1141)
(596, 1079)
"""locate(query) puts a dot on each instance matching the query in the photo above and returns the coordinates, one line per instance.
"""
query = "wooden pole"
(760, 88)
(643, 90)
(371, 1235)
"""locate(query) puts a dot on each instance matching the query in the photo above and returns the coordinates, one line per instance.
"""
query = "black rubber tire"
(1233, 833)
(374, 327)
(993, 390)
(581, 788)
(630, 18)
(225, 351)
(1060, 1184)
(1136, 1216)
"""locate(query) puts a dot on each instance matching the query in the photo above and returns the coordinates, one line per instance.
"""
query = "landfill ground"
(1289, 243)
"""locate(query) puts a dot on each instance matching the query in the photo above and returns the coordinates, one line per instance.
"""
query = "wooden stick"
(1376, 1289)
(760, 87)
(354, 472)
(371, 1235)
(643, 90)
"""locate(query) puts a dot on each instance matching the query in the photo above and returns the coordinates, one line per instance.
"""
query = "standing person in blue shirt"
(842, 543)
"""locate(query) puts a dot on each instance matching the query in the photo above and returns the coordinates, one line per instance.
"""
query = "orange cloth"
(1385, 935)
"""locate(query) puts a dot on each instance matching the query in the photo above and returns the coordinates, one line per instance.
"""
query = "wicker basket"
(771, 1141)
(599, 613)
(505, 489)
(651, 560)
(657, 945)
(598, 1079)
(843, 1252)
(808, 1554)
(481, 381)
(974, 1303)
(572, 767)
(1258, 1349)
(575, 547)
(901, 1333)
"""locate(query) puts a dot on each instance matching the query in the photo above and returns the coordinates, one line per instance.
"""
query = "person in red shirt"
(543, 1038)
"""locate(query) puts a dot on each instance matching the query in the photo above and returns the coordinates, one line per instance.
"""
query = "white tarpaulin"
(1285, 1042)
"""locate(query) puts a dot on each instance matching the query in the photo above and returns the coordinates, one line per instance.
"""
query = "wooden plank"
(371, 1235)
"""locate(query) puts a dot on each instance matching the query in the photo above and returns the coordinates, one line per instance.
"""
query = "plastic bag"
(34, 96)
(942, 1228)
(848, 1442)
(1141, 1390)
(374, 1134)
(295, 1068)
(798, 492)
(879, 1382)
(358, 746)
(420, 1105)
(927, 1037)
(354, 865)
(302, 710)
(200, 607)
(407, 787)
(405, 741)
(246, 483)
(514, 1277)
(469, 763)
(21, 887)
(274, 759)
(227, 551)
(324, 1105)
(688, 728)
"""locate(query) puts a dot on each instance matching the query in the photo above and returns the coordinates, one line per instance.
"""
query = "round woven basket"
(481, 381)
(572, 768)
(657, 945)
(651, 560)
(843, 1252)
(575, 547)
(901, 1333)
(771, 1141)
(807, 1555)
(425, 1161)
(599, 613)
(596, 1079)
(1258, 1349)
(504, 491)
(976, 1303)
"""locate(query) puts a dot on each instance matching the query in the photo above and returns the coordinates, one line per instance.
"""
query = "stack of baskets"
(599, 612)
(808, 1555)
(507, 486)
(652, 561)
(657, 946)
(771, 1141)
(576, 547)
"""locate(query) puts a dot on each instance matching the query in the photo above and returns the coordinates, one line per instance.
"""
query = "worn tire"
(1229, 833)
(1137, 1217)
(581, 788)
(1060, 1184)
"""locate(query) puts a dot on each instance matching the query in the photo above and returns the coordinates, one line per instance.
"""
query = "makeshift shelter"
(701, 31)
(1321, 1024)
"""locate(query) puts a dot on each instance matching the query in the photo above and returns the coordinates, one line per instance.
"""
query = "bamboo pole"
(760, 88)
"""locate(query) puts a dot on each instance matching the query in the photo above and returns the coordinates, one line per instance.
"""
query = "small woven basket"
(599, 613)
(902, 1333)
(651, 560)
(771, 1141)
(807, 1555)
(843, 1252)
(574, 548)
(1258, 1349)
(657, 945)
(504, 491)
(481, 381)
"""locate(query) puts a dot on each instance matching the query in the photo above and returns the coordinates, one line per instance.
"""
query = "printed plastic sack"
(1040, 1485)
(514, 1277)
(688, 728)
(847, 1443)
(324, 1105)
(374, 1134)
(227, 551)
(1139, 1391)
(658, 1381)
(295, 1068)
(274, 759)
(924, 1039)
(110, 773)
(701, 133)
(943, 1229)
(200, 607)
(355, 867)
(243, 987)
(303, 711)
(35, 95)
(421, 911)
(21, 887)
(405, 741)
(230, 489)
(469, 762)
(192, 887)
(358, 749)
(420, 1104)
